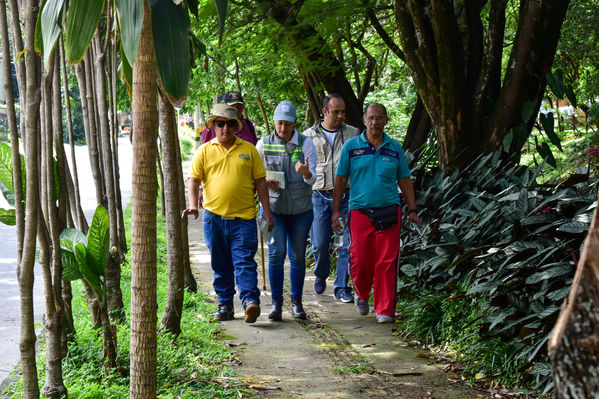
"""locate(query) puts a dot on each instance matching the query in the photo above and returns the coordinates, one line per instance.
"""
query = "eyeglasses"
(230, 123)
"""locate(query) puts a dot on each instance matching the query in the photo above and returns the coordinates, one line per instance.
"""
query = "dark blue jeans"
(320, 235)
(232, 244)
(290, 232)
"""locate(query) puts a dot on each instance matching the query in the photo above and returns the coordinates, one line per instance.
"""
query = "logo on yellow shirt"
(244, 156)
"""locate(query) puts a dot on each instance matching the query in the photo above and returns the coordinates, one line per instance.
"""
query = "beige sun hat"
(223, 111)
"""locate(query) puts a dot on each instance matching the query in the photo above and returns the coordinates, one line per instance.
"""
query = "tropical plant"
(86, 257)
(8, 216)
(492, 234)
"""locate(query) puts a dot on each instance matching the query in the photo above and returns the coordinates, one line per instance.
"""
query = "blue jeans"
(232, 244)
(320, 235)
(290, 232)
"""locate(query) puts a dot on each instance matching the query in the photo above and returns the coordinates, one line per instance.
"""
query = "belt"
(330, 192)
(224, 217)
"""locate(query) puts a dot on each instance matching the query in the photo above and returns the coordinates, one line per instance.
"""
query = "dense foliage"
(499, 249)
(195, 364)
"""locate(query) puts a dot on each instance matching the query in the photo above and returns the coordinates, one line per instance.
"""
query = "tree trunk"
(574, 342)
(190, 282)
(25, 268)
(418, 130)
(89, 123)
(161, 184)
(143, 238)
(171, 319)
(15, 25)
(76, 197)
(113, 268)
(456, 70)
(14, 133)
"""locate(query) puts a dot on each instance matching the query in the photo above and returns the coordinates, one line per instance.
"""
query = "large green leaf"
(50, 25)
(573, 227)
(6, 173)
(170, 24)
(571, 96)
(549, 127)
(70, 267)
(126, 72)
(82, 20)
(98, 241)
(546, 154)
(555, 80)
(527, 110)
(221, 9)
(8, 216)
(73, 235)
(131, 15)
(92, 278)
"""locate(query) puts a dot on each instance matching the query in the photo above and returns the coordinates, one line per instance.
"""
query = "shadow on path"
(336, 353)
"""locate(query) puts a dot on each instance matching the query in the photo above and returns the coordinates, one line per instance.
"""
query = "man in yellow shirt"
(229, 169)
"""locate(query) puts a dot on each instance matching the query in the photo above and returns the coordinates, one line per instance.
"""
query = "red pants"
(374, 258)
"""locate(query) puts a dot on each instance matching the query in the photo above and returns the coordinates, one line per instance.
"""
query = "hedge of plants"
(493, 262)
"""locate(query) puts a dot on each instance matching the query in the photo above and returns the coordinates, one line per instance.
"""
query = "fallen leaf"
(423, 355)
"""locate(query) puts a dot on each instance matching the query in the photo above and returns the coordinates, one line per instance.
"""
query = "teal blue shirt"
(373, 174)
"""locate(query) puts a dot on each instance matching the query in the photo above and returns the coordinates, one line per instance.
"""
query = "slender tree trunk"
(113, 269)
(17, 35)
(25, 268)
(161, 184)
(574, 342)
(115, 151)
(92, 138)
(190, 281)
(14, 133)
(60, 214)
(49, 242)
(143, 239)
(76, 197)
(171, 319)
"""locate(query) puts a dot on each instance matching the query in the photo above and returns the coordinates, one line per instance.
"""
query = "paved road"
(9, 289)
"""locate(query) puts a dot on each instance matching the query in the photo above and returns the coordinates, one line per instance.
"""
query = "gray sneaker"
(362, 306)
(383, 318)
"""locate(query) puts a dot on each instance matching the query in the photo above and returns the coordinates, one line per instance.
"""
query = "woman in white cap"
(290, 161)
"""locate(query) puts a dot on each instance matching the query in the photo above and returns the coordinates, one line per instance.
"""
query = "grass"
(194, 365)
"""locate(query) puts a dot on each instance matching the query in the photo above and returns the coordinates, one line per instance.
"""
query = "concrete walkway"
(336, 353)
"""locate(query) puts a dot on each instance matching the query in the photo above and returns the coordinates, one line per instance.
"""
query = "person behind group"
(229, 169)
(328, 136)
(290, 161)
(247, 131)
(376, 165)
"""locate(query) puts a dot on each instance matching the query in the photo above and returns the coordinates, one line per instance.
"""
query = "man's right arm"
(338, 190)
(263, 197)
(193, 192)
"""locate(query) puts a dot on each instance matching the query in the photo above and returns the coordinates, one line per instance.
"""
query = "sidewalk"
(335, 353)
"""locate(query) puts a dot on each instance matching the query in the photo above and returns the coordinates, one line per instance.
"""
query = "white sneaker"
(383, 318)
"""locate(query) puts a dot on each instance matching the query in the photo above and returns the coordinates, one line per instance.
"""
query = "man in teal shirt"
(376, 165)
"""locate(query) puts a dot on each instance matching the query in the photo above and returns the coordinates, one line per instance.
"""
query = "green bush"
(504, 249)
(186, 145)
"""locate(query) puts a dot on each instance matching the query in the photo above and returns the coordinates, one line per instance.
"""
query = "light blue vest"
(296, 198)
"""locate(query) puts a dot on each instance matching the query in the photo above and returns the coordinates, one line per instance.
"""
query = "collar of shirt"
(363, 139)
(214, 141)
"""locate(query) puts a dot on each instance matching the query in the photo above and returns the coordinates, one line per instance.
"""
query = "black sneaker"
(252, 311)
(320, 284)
(344, 296)
(225, 312)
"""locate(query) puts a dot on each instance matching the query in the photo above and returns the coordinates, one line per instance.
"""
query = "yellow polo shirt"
(228, 176)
